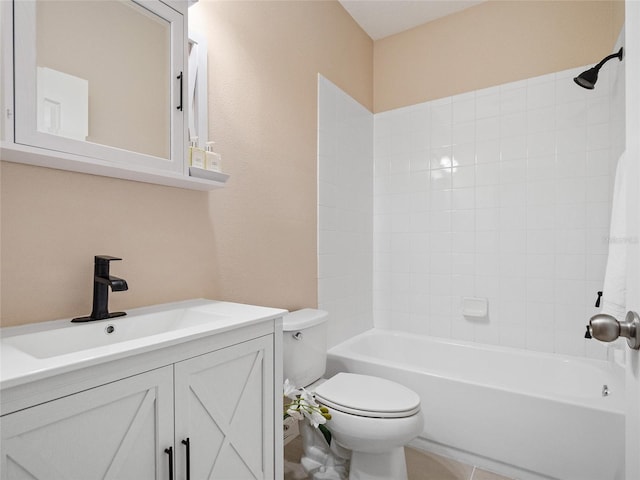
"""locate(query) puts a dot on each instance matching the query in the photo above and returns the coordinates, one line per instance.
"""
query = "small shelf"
(13, 152)
(208, 174)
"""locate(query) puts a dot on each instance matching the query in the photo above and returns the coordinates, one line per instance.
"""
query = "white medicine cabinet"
(100, 87)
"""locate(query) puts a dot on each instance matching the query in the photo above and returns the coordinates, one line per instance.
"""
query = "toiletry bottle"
(196, 155)
(213, 160)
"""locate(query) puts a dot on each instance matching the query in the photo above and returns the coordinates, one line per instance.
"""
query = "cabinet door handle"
(169, 451)
(180, 77)
(187, 444)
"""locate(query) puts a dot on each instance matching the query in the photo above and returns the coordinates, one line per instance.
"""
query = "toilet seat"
(368, 396)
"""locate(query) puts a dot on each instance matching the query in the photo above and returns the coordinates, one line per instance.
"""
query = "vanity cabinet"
(208, 416)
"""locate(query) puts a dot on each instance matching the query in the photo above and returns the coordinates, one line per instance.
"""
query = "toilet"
(371, 417)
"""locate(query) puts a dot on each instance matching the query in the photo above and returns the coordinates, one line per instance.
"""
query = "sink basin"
(42, 350)
(75, 338)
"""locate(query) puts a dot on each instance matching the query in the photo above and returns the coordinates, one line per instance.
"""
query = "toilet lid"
(368, 396)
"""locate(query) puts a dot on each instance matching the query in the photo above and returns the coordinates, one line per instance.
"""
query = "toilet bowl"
(371, 417)
(374, 418)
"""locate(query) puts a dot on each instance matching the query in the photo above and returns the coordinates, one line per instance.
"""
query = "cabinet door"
(115, 431)
(225, 407)
(101, 80)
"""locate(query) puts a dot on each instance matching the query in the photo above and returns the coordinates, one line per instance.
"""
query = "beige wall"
(490, 44)
(255, 240)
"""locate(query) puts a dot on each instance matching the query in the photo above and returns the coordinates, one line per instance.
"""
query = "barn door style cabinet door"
(115, 431)
(223, 415)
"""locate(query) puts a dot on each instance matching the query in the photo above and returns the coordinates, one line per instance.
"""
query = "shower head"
(588, 78)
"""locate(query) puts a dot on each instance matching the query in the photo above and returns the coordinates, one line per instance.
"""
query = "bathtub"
(523, 414)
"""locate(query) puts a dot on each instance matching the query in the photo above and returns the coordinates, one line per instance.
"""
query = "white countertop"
(40, 350)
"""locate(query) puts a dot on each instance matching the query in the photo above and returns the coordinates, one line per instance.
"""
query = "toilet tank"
(304, 346)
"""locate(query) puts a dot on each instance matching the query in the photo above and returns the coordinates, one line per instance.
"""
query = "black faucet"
(101, 283)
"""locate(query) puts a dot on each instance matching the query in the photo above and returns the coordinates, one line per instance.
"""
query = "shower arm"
(609, 57)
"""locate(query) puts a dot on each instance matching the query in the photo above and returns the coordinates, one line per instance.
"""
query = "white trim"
(75, 163)
(632, 155)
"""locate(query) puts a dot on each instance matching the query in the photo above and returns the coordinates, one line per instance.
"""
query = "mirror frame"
(26, 131)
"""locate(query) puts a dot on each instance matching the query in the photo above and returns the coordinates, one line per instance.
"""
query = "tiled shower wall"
(505, 194)
(345, 212)
(501, 193)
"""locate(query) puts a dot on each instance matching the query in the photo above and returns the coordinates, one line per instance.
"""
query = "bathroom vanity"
(183, 390)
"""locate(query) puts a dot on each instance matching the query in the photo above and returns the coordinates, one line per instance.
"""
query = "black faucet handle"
(105, 258)
(101, 265)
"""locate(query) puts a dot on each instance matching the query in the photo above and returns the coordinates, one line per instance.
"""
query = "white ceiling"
(381, 18)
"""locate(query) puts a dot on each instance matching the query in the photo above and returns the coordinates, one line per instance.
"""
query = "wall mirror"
(101, 78)
(197, 91)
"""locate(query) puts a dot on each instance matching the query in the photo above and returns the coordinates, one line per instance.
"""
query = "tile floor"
(420, 466)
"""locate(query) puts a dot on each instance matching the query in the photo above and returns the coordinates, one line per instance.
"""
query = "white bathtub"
(523, 414)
